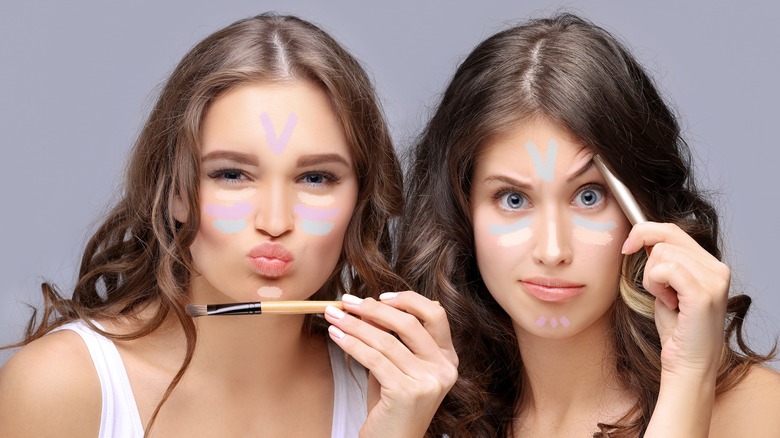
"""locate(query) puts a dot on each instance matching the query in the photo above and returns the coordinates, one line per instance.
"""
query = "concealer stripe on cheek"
(594, 233)
(514, 234)
(315, 214)
(317, 228)
(228, 226)
(235, 195)
(236, 211)
(316, 200)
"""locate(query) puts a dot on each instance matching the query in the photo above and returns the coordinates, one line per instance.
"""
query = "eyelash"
(501, 193)
(603, 191)
(329, 179)
(222, 173)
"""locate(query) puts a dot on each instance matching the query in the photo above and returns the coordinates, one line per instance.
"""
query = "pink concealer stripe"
(564, 321)
(540, 322)
(236, 211)
(278, 145)
(315, 214)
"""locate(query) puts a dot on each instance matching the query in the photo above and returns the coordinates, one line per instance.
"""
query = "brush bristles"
(195, 310)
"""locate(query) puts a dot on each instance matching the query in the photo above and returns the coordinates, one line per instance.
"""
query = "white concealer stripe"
(592, 237)
(235, 195)
(515, 238)
(316, 200)
(269, 292)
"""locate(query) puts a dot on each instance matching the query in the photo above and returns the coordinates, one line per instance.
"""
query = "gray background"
(77, 80)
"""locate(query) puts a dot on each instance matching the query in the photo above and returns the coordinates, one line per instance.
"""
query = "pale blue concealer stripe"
(317, 228)
(593, 226)
(545, 169)
(506, 229)
(229, 226)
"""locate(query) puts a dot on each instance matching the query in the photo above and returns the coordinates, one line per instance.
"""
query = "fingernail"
(335, 332)
(387, 296)
(625, 246)
(351, 299)
(334, 312)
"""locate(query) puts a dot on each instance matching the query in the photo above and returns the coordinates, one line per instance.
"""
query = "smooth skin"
(252, 375)
(571, 384)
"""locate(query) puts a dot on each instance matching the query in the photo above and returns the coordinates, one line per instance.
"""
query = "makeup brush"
(268, 307)
(624, 197)
(257, 308)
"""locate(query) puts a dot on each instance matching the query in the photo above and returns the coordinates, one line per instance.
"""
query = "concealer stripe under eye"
(593, 225)
(235, 195)
(228, 226)
(316, 200)
(506, 229)
(315, 214)
(236, 211)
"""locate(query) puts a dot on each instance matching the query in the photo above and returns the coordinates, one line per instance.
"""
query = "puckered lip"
(270, 259)
(552, 289)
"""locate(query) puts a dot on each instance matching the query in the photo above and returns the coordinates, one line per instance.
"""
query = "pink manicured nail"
(388, 296)
(335, 332)
(625, 246)
(334, 312)
(351, 299)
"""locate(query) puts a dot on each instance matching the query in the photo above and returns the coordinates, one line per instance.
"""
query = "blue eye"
(589, 197)
(512, 200)
(229, 176)
(318, 179)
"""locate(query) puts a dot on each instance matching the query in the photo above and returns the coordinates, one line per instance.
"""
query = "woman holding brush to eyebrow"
(265, 172)
(564, 325)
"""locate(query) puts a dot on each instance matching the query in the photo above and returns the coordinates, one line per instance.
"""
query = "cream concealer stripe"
(235, 195)
(316, 200)
(592, 237)
(515, 238)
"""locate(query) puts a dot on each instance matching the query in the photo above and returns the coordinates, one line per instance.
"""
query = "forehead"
(253, 114)
(531, 144)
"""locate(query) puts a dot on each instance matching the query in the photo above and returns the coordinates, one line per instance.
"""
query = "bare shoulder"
(751, 408)
(50, 388)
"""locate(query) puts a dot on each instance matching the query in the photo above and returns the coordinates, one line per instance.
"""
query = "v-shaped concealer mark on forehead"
(545, 167)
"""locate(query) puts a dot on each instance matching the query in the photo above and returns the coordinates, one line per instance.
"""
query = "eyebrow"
(232, 156)
(576, 173)
(510, 181)
(315, 159)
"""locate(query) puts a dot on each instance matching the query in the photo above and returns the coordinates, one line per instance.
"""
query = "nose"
(551, 246)
(275, 215)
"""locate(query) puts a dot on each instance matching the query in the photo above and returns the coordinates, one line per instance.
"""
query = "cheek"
(499, 247)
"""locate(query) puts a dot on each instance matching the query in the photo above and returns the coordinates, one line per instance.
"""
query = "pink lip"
(551, 289)
(270, 259)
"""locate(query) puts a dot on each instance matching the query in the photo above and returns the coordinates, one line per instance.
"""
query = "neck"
(572, 378)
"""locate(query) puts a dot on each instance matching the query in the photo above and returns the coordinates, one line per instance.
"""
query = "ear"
(179, 209)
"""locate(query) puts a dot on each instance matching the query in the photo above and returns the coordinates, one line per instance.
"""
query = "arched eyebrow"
(238, 157)
(315, 159)
(577, 172)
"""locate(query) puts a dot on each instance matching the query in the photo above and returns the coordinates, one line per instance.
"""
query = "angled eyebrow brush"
(624, 197)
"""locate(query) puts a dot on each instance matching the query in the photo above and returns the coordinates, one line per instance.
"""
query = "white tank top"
(119, 415)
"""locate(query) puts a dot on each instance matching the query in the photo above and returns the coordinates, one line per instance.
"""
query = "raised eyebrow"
(579, 172)
(315, 159)
(238, 157)
(509, 181)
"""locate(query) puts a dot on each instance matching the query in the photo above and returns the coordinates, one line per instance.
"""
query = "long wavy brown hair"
(139, 259)
(575, 73)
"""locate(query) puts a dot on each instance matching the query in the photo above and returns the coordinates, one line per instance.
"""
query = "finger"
(665, 320)
(385, 372)
(370, 337)
(649, 234)
(432, 315)
(406, 325)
